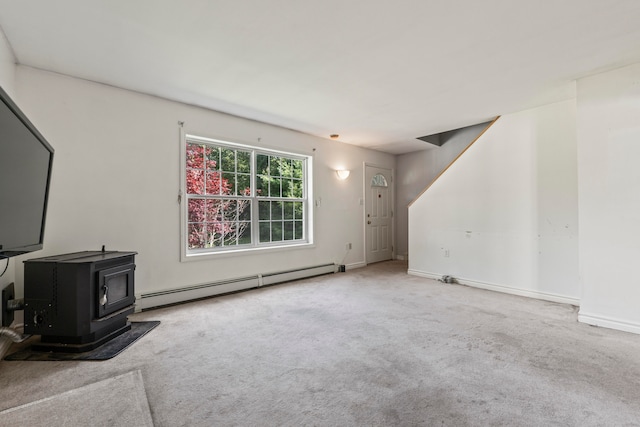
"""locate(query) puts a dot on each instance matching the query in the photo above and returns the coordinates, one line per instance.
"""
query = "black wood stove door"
(115, 289)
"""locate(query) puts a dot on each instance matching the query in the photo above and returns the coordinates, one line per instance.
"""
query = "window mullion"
(255, 224)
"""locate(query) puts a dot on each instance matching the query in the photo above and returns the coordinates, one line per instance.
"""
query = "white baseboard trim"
(401, 257)
(423, 274)
(149, 300)
(175, 296)
(301, 273)
(608, 322)
(545, 296)
(355, 265)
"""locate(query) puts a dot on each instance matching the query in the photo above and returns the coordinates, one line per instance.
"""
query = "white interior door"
(378, 214)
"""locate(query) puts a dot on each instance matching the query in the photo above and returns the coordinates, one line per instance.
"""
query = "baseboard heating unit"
(174, 296)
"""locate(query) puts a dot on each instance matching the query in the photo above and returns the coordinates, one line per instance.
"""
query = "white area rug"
(117, 401)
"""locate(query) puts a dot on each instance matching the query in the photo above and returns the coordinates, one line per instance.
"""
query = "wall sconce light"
(343, 174)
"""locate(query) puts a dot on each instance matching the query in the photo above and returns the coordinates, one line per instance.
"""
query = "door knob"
(368, 222)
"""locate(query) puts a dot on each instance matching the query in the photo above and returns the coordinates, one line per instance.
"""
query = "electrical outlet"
(8, 293)
(446, 253)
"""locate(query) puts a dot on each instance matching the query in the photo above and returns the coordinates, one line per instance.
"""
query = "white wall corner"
(608, 106)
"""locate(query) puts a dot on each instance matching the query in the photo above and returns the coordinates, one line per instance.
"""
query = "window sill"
(243, 252)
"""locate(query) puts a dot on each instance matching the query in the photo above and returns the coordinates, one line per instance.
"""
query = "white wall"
(7, 66)
(608, 129)
(415, 171)
(7, 82)
(116, 178)
(505, 215)
(412, 177)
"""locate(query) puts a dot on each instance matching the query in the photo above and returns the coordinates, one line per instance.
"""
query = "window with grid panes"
(241, 197)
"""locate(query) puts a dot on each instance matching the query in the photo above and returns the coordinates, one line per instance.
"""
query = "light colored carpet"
(369, 347)
(118, 401)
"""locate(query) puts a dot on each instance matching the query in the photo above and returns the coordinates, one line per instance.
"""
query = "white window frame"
(307, 200)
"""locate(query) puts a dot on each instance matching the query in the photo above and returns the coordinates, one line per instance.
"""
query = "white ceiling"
(378, 72)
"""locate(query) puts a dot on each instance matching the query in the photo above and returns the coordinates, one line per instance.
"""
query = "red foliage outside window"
(212, 221)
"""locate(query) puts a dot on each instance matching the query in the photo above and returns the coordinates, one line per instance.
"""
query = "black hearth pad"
(106, 351)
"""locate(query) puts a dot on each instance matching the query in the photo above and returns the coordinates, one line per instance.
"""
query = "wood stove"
(78, 301)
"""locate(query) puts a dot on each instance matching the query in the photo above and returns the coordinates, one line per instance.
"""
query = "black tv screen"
(26, 159)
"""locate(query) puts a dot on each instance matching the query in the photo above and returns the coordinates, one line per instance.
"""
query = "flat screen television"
(26, 159)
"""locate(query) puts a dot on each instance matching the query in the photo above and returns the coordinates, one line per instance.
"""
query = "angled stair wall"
(504, 215)
(417, 170)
